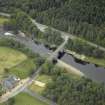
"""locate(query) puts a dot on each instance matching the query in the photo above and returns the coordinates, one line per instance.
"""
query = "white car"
(8, 34)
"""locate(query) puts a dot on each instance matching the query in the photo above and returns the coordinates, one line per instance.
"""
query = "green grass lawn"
(25, 99)
(24, 69)
(9, 58)
(2, 20)
(35, 88)
(44, 78)
(15, 62)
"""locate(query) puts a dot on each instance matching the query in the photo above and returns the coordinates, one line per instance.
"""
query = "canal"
(91, 71)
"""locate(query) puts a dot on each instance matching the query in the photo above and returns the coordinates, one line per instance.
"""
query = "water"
(35, 47)
(91, 71)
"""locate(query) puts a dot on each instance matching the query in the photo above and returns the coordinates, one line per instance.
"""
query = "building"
(10, 82)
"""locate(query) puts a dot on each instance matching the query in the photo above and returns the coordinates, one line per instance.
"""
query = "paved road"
(64, 34)
(43, 27)
(22, 86)
(53, 55)
(41, 98)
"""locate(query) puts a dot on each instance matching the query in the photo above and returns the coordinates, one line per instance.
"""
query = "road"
(42, 28)
(28, 81)
(29, 44)
(64, 34)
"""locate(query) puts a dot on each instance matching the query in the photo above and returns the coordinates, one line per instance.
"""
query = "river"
(91, 71)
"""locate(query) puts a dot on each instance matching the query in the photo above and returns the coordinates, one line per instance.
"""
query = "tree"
(1, 90)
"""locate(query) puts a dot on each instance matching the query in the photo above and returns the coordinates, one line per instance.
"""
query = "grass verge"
(25, 99)
(99, 62)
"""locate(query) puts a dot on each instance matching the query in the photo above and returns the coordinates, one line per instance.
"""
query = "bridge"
(25, 83)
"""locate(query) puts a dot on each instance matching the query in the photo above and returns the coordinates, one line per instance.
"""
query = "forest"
(83, 18)
(66, 89)
(20, 21)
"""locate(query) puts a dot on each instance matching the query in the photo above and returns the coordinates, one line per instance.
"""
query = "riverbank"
(69, 68)
(98, 62)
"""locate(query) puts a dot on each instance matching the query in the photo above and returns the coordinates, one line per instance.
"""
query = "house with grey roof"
(10, 82)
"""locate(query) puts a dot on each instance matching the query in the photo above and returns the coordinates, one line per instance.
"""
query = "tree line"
(37, 59)
(65, 89)
(21, 21)
(82, 47)
(83, 18)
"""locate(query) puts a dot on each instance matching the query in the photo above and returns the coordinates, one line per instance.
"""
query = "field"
(24, 69)
(9, 58)
(15, 62)
(25, 99)
(2, 20)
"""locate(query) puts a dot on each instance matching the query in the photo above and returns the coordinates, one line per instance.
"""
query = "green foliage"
(84, 18)
(18, 46)
(1, 90)
(82, 47)
(47, 68)
(66, 90)
(24, 69)
(21, 21)
(10, 102)
(52, 37)
(27, 67)
(3, 20)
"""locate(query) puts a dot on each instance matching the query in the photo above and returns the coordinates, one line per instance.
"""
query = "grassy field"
(25, 99)
(44, 78)
(24, 69)
(35, 88)
(15, 62)
(2, 20)
(9, 58)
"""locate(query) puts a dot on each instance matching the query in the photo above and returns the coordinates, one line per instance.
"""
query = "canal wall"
(69, 68)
